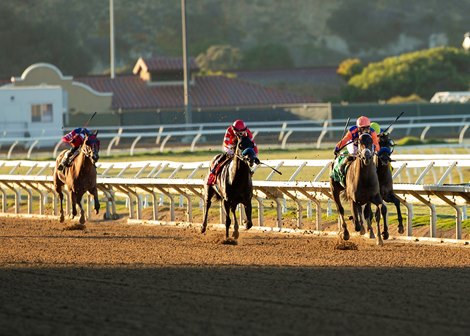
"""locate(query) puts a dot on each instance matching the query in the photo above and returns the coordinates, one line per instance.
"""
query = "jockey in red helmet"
(237, 129)
(75, 138)
(351, 138)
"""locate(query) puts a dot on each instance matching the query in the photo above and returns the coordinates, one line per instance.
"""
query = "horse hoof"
(249, 225)
(385, 235)
(401, 229)
(203, 230)
(82, 220)
(380, 242)
(345, 236)
(235, 235)
(362, 231)
(62, 219)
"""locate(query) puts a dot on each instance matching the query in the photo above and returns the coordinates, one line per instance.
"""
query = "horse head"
(385, 141)
(384, 156)
(366, 152)
(91, 147)
(245, 146)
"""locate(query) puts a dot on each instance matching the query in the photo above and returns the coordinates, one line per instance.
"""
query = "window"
(41, 113)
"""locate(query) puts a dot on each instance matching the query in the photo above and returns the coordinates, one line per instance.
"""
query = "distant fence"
(428, 181)
(279, 134)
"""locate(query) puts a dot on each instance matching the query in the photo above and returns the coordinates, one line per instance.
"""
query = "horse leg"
(393, 199)
(235, 233)
(82, 212)
(368, 215)
(248, 210)
(385, 234)
(74, 204)
(209, 192)
(58, 189)
(228, 221)
(339, 207)
(377, 219)
(357, 218)
(94, 192)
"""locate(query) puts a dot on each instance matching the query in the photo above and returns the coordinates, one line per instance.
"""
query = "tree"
(421, 73)
(219, 58)
(349, 68)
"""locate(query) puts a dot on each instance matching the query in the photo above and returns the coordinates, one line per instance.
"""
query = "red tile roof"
(131, 92)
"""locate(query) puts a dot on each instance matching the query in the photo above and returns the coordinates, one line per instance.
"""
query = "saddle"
(338, 174)
(216, 168)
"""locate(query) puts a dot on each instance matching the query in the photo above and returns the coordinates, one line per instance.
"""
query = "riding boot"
(344, 165)
(66, 159)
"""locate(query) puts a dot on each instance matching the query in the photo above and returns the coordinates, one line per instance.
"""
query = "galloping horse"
(80, 177)
(234, 186)
(362, 188)
(385, 176)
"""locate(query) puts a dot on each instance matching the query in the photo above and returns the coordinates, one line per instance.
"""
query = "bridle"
(90, 148)
(365, 152)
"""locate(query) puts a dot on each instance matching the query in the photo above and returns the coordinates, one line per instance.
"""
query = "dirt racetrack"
(119, 279)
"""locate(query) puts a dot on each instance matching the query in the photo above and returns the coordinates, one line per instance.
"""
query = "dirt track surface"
(118, 279)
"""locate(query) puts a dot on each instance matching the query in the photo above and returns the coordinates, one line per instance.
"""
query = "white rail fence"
(420, 180)
(276, 133)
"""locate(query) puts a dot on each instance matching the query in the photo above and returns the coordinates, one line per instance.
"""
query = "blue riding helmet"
(385, 150)
(248, 151)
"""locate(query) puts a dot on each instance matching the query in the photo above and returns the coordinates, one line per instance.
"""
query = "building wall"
(16, 116)
(81, 98)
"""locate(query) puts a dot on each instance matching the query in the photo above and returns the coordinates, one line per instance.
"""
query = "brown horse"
(80, 177)
(362, 188)
(234, 186)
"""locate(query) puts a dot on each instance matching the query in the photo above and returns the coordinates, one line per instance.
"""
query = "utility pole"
(187, 98)
(111, 37)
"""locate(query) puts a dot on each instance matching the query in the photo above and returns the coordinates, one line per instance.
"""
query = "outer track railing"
(430, 182)
(276, 133)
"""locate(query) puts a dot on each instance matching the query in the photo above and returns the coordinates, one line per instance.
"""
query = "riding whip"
(277, 171)
(385, 131)
(262, 163)
(344, 133)
(85, 125)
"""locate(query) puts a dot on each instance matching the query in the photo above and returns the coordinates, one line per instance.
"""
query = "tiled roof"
(163, 64)
(131, 92)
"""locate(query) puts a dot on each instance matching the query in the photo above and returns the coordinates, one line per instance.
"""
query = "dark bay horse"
(234, 186)
(362, 188)
(385, 175)
(80, 177)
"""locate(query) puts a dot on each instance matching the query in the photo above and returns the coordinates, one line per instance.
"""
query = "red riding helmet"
(239, 126)
(363, 122)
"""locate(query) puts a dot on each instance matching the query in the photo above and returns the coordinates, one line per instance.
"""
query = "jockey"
(386, 144)
(233, 132)
(75, 138)
(363, 125)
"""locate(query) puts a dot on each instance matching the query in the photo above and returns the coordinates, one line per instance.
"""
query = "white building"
(451, 97)
(32, 112)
